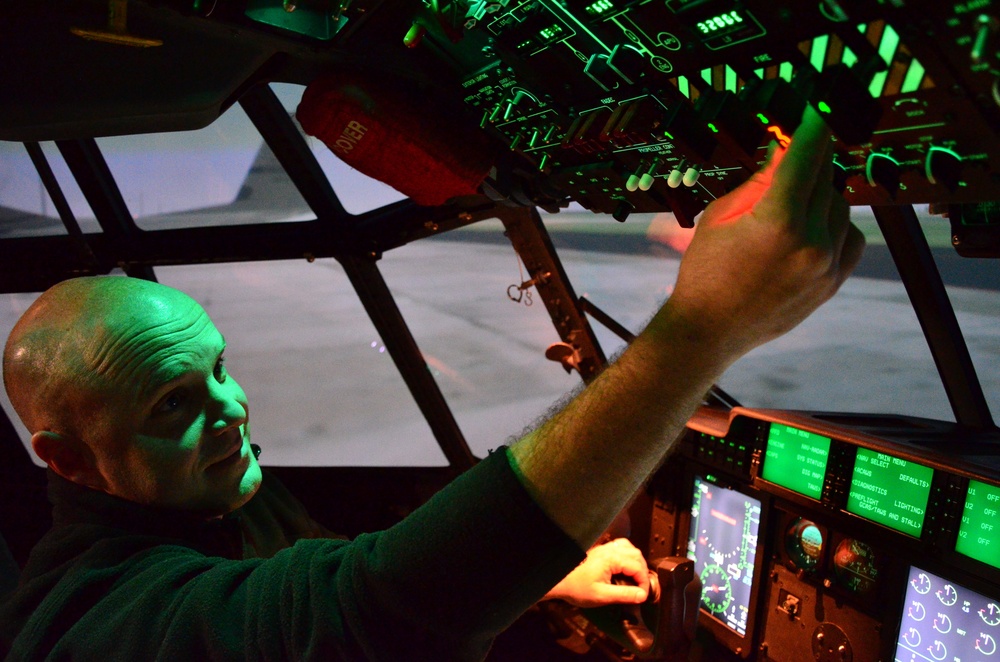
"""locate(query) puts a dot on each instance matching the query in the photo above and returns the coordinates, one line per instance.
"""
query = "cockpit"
(419, 224)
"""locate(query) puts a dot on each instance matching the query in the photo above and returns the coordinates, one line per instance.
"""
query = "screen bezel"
(741, 645)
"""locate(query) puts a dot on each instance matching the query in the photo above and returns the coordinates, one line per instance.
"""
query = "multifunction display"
(723, 545)
(943, 620)
(890, 491)
(979, 532)
(796, 459)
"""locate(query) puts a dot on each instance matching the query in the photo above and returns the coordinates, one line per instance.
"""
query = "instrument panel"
(628, 105)
(834, 536)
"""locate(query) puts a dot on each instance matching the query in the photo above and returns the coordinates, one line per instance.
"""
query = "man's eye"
(171, 402)
(220, 370)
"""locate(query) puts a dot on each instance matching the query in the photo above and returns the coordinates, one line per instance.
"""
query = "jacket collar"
(74, 504)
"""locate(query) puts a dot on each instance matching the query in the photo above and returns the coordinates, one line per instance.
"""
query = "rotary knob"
(883, 170)
(943, 166)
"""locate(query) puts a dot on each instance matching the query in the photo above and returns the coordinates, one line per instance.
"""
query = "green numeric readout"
(796, 459)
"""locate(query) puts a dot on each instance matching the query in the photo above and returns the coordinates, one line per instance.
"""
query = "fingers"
(796, 174)
(608, 594)
(819, 231)
(627, 560)
(850, 255)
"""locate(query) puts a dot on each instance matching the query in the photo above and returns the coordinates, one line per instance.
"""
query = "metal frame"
(930, 301)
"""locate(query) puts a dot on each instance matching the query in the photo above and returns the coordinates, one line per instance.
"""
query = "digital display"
(979, 532)
(796, 459)
(723, 546)
(943, 620)
(719, 22)
(890, 491)
(716, 24)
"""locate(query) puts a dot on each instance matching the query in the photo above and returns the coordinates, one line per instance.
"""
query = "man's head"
(122, 385)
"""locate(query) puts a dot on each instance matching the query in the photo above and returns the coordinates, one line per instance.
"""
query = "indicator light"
(823, 107)
(780, 136)
(763, 119)
(713, 128)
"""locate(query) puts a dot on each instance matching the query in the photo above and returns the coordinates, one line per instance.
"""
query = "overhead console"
(835, 536)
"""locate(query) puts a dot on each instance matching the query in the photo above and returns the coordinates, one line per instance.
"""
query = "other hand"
(591, 583)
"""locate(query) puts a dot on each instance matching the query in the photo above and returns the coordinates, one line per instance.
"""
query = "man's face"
(172, 427)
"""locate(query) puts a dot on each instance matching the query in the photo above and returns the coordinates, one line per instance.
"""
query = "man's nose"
(229, 411)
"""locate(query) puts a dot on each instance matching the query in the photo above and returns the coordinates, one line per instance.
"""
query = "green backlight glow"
(979, 532)
(720, 22)
(796, 460)
(599, 7)
(890, 491)
(817, 55)
(823, 107)
(551, 32)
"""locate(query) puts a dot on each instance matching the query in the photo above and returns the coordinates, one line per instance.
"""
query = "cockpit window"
(485, 350)
(862, 352)
(26, 208)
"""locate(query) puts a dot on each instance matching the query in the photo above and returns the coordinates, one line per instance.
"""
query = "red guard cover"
(387, 131)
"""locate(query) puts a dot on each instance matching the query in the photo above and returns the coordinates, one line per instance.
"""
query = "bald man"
(123, 386)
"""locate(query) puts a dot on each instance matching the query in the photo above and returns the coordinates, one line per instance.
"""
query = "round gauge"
(921, 584)
(804, 544)
(990, 614)
(947, 595)
(854, 566)
(716, 593)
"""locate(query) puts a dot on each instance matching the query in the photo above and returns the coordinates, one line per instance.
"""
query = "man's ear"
(69, 457)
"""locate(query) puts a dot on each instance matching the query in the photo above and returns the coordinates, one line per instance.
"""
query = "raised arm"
(762, 259)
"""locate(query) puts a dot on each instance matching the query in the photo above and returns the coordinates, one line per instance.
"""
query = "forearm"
(763, 257)
(587, 461)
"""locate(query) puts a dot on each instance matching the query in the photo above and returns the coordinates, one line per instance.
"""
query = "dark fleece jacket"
(114, 580)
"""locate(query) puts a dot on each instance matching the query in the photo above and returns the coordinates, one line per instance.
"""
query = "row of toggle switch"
(644, 176)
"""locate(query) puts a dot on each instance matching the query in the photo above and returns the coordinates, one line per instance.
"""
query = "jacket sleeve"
(440, 585)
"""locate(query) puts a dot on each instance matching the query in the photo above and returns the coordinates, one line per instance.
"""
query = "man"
(149, 446)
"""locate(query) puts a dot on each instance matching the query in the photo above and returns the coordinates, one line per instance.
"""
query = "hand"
(590, 583)
(766, 255)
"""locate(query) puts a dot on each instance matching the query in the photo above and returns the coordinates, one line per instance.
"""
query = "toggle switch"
(632, 183)
(647, 179)
(691, 176)
(676, 175)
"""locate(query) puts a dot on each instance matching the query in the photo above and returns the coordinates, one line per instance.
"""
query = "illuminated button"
(691, 176)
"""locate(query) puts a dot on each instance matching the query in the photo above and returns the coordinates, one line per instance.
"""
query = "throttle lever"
(634, 627)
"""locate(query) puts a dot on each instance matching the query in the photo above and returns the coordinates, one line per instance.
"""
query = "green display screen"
(890, 491)
(979, 532)
(796, 459)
